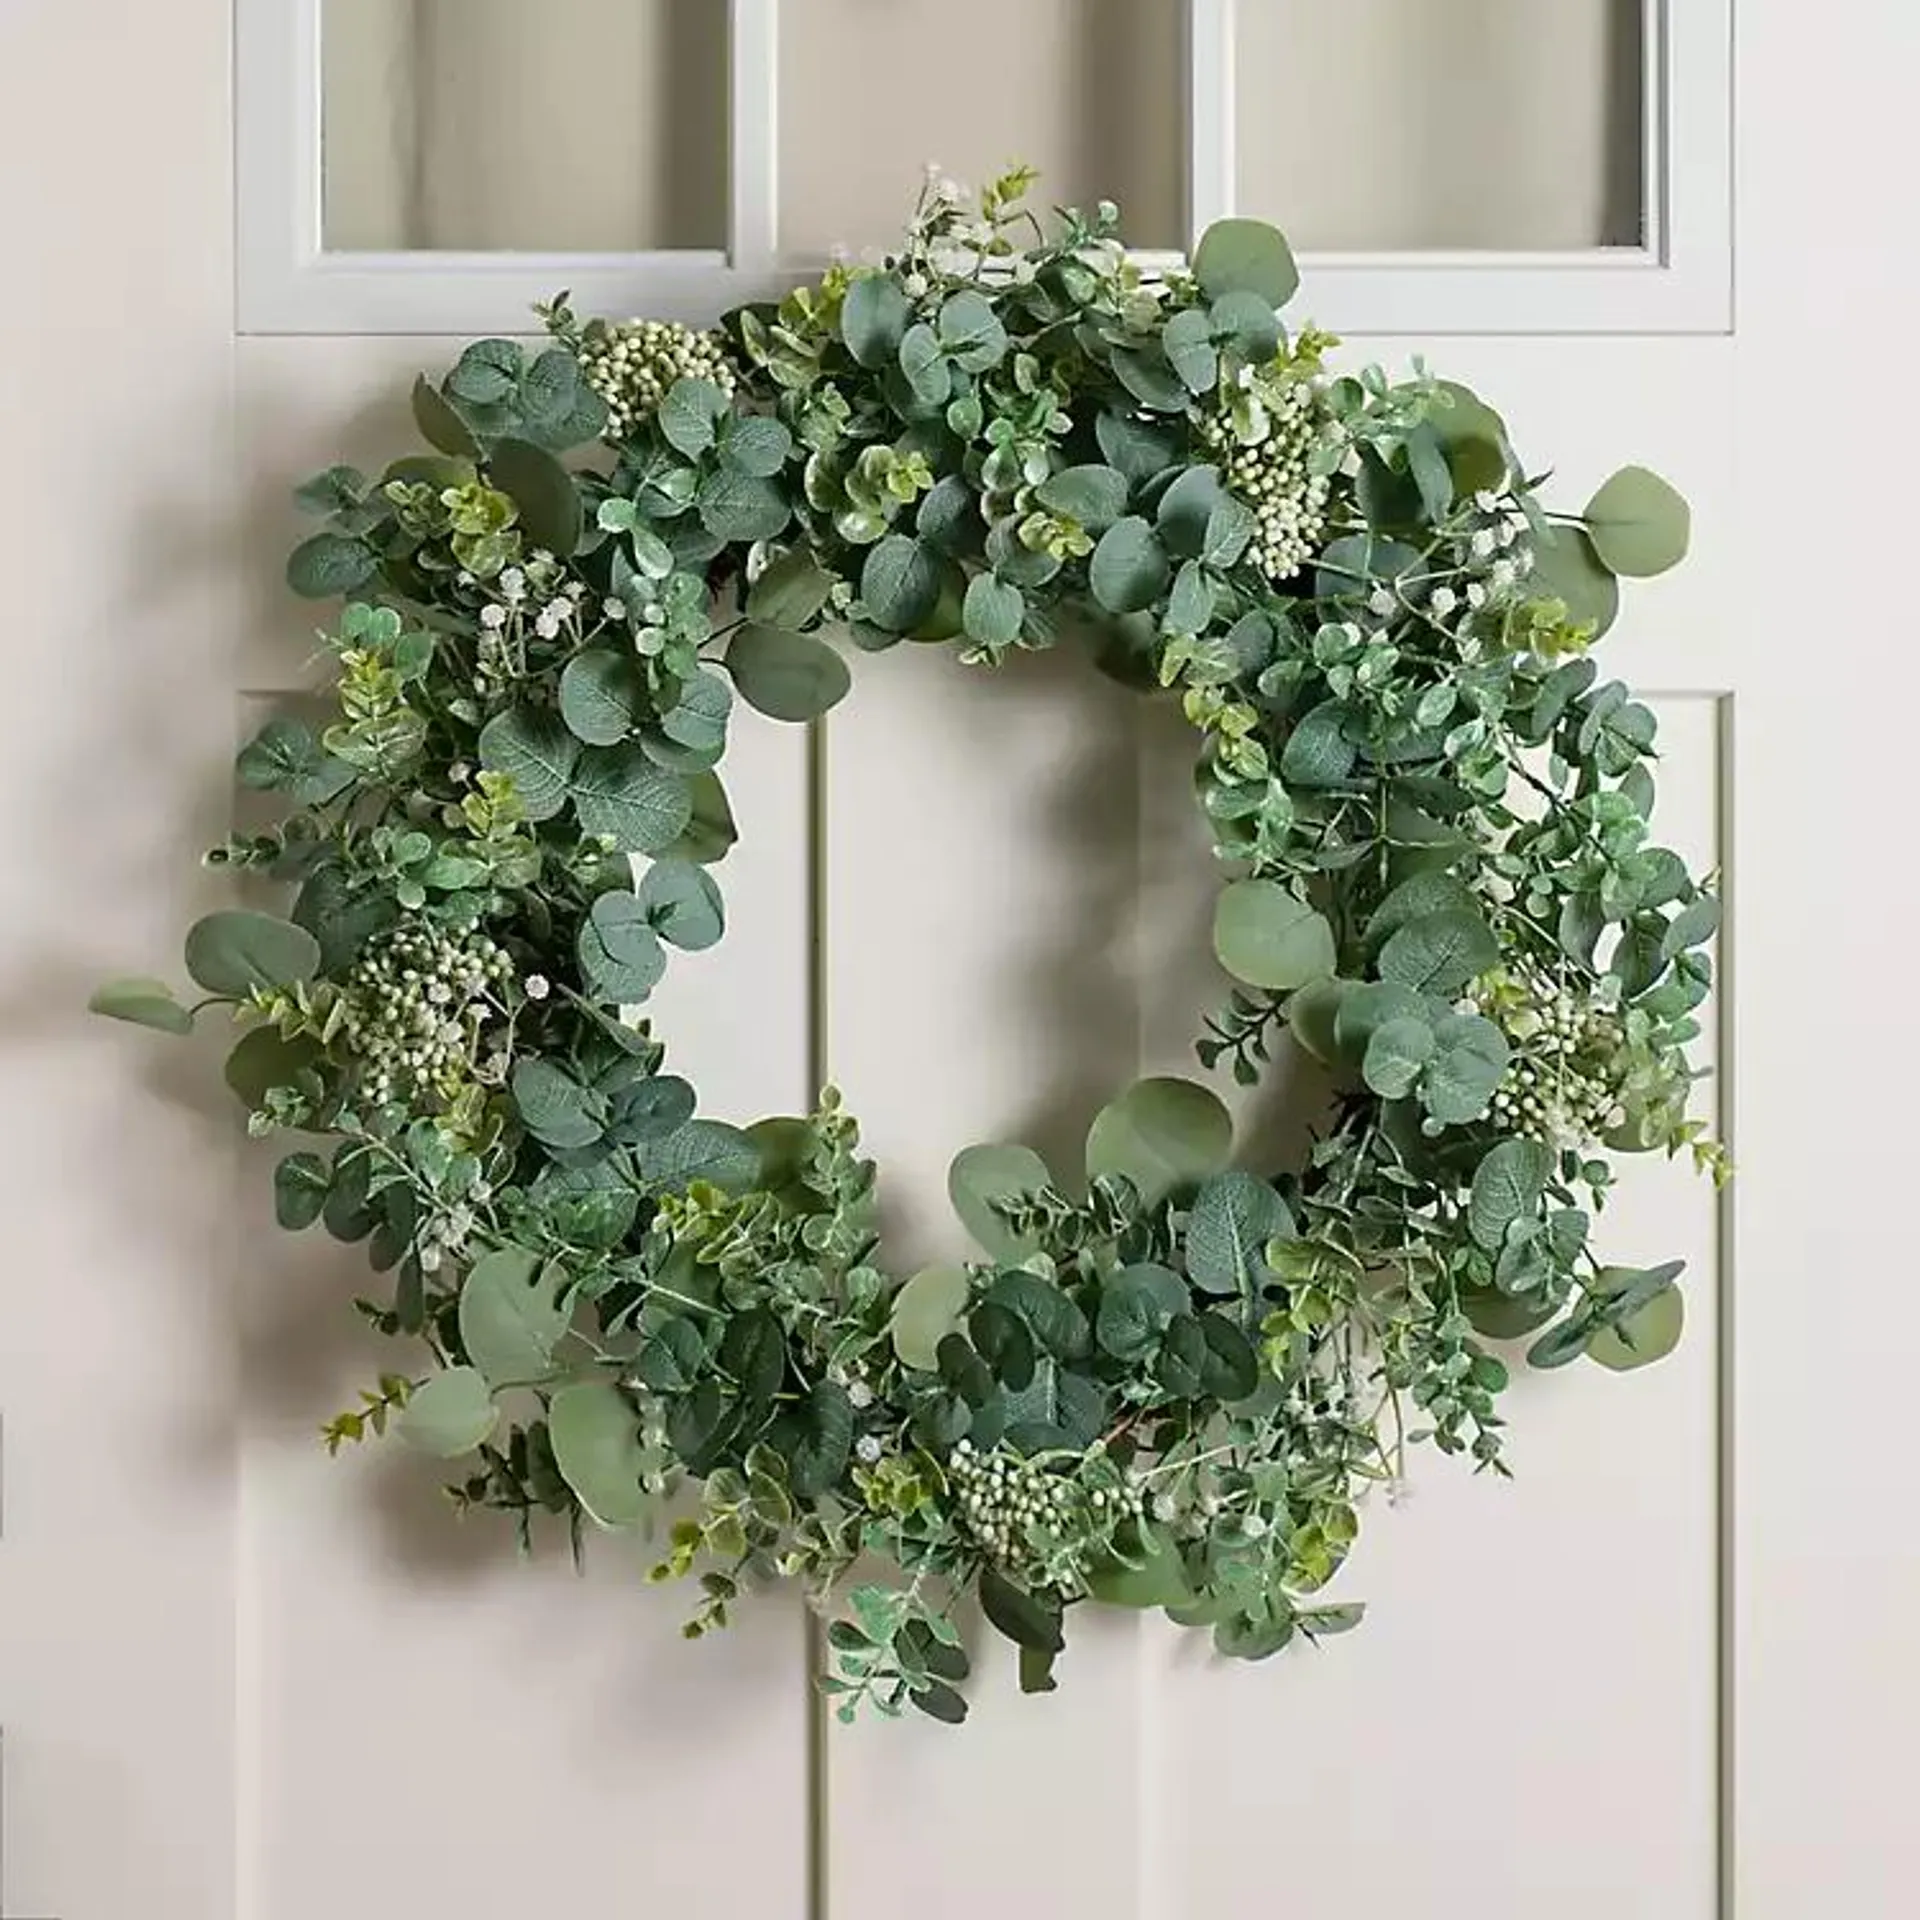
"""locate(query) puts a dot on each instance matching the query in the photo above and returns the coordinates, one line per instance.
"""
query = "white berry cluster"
(632, 363)
(417, 1003)
(1562, 1086)
(1269, 463)
(1022, 1515)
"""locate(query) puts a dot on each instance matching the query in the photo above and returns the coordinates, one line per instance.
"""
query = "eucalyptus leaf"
(1267, 937)
(450, 1415)
(785, 675)
(1162, 1134)
(597, 1447)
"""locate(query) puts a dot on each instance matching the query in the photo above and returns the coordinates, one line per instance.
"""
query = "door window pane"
(1088, 91)
(1417, 125)
(542, 126)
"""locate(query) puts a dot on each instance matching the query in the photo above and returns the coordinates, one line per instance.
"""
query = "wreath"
(1170, 1384)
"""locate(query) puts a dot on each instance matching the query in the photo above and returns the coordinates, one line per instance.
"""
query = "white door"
(1664, 1675)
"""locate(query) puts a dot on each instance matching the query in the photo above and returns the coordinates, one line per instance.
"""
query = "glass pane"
(1088, 91)
(1408, 125)
(536, 126)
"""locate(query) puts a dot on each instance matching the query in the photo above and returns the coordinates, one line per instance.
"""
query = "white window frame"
(1679, 280)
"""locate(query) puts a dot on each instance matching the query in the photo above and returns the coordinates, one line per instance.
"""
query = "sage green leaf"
(450, 1415)
(142, 1003)
(689, 416)
(981, 1178)
(235, 952)
(874, 317)
(1162, 1134)
(1507, 1186)
(927, 1308)
(1649, 1333)
(900, 582)
(1268, 938)
(301, 1183)
(785, 675)
(329, 566)
(697, 721)
(543, 490)
(993, 611)
(1187, 507)
(597, 1447)
(682, 904)
(1318, 752)
(741, 507)
(816, 1440)
(1188, 343)
(1094, 496)
(487, 372)
(1234, 1215)
(620, 956)
(791, 593)
(1248, 324)
(1440, 952)
(1693, 926)
(1473, 439)
(1147, 375)
(711, 832)
(1129, 568)
(938, 1701)
(724, 1156)
(756, 444)
(619, 791)
(510, 1321)
(1140, 449)
(1470, 1057)
(439, 425)
(602, 693)
(1061, 1330)
(1366, 1007)
(556, 1109)
(264, 1059)
(286, 757)
(1313, 1014)
(1246, 256)
(1397, 1053)
(970, 332)
(1028, 1621)
(1567, 567)
(1639, 524)
(1137, 1305)
(533, 747)
(923, 362)
(1436, 891)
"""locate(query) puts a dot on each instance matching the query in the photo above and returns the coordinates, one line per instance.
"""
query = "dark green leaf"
(235, 952)
(785, 675)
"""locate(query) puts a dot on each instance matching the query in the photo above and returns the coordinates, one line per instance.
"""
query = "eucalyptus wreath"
(1168, 1384)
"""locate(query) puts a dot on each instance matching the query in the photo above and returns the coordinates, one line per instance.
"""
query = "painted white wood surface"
(172, 1630)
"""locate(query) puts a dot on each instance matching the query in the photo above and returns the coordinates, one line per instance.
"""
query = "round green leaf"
(619, 951)
(1246, 256)
(683, 904)
(533, 747)
(1470, 1058)
(1639, 524)
(993, 612)
(1266, 937)
(1645, 1336)
(1566, 567)
(450, 1415)
(330, 566)
(1129, 568)
(1162, 1134)
(793, 591)
(1094, 496)
(929, 1307)
(689, 414)
(970, 331)
(900, 582)
(1474, 440)
(265, 1059)
(874, 317)
(1507, 1186)
(711, 832)
(787, 676)
(596, 1445)
(510, 1321)
(1234, 1216)
(1397, 1052)
(619, 791)
(233, 953)
(601, 694)
(143, 1003)
(1440, 952)
(983, 1175)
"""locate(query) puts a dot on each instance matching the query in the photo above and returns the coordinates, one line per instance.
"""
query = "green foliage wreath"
(1166, 1385)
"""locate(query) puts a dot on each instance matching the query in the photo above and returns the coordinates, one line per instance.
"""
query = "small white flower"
(464, 578)
(613, 609)
(1381, 601)
(859, 1394)
(513, 583)
(537, 986)
(1476, 595)
(1444, 601)
(1481, 545)
(1502, 574)
(561, 608)
(1487, 500)
(868, 1447)
(1351, 464)
(493, 618)
(547, 627)
(429, 1259)
(915, 285)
